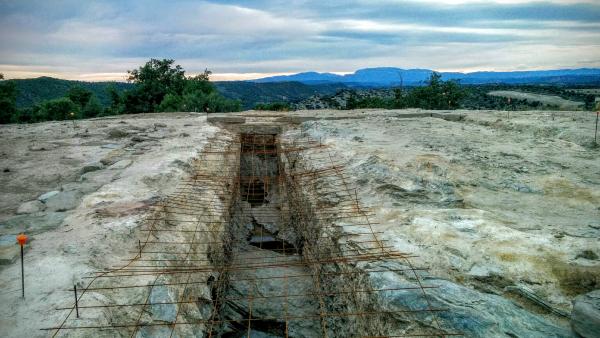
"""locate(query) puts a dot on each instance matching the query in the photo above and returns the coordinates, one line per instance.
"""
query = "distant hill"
(389, 76)
(251, 93)
(33, 91)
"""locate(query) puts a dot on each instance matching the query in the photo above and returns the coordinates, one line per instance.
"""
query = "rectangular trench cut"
(265, 239)
(270, 287)
(288, 275)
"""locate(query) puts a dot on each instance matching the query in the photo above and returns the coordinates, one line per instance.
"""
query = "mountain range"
(389, 76)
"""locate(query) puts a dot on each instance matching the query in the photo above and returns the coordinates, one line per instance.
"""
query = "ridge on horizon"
(392, 75)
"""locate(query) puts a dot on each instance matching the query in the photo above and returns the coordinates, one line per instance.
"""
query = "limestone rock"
(42, 147)
(31, 207)
(137, 139)
(470, 312)
(64, 200)
(33, 223)
(163, 312)
(46, 196)
(112, 157)
(91, 167)
(156, 331)
(9, 250)
(117, 133)
(585, 317)
(110, 146)
(122, 164)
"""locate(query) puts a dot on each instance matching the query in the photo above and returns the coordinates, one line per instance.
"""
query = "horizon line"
(229, 76)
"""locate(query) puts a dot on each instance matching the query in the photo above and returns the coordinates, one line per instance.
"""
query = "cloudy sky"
(98, 40)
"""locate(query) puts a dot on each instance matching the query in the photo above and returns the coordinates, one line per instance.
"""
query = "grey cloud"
(280, 36)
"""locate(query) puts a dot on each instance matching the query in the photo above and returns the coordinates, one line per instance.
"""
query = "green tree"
(171, 103)
(24, 115)
(79, 96)
(116, 102)
(352, 101)
(153, 80)
(8, 101)
(215, 102)
(399, 99)
(437, 94)
(200, 95)
(199, 83)
(92, 108)
(57, 109)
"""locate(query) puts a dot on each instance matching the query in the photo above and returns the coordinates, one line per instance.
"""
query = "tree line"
(436, 94)
(159, 86)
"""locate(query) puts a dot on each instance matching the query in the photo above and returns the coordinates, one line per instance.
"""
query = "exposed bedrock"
(467, 311)
(256, 290)
(585, 318)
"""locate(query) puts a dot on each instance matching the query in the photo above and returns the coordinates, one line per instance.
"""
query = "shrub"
(8, 101)
(58, 109)
(92, 108)
(170, 103)
(275, 106)
(79, 96)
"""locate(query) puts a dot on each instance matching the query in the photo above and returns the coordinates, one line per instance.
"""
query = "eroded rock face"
(467, 311)
(585, 317)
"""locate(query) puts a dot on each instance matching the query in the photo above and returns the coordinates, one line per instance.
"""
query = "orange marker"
(22, 239)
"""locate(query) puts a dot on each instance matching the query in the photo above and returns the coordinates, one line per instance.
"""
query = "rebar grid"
(192, 245)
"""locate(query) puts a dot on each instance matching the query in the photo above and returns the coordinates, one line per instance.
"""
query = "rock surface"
(484, 201)
(257, 282)
(90, 235)
(9, 250)
(46, 196)
(64, 200)
(163, 312)
(91, 167)
(465, 311)
(122, 164)
(117, 133)
(585, 317)
(514, 201)
(31, 207)
(32, 223)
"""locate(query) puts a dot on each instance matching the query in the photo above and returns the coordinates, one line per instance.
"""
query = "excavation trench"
(263, 274)
(271, 282)
(265, 239)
